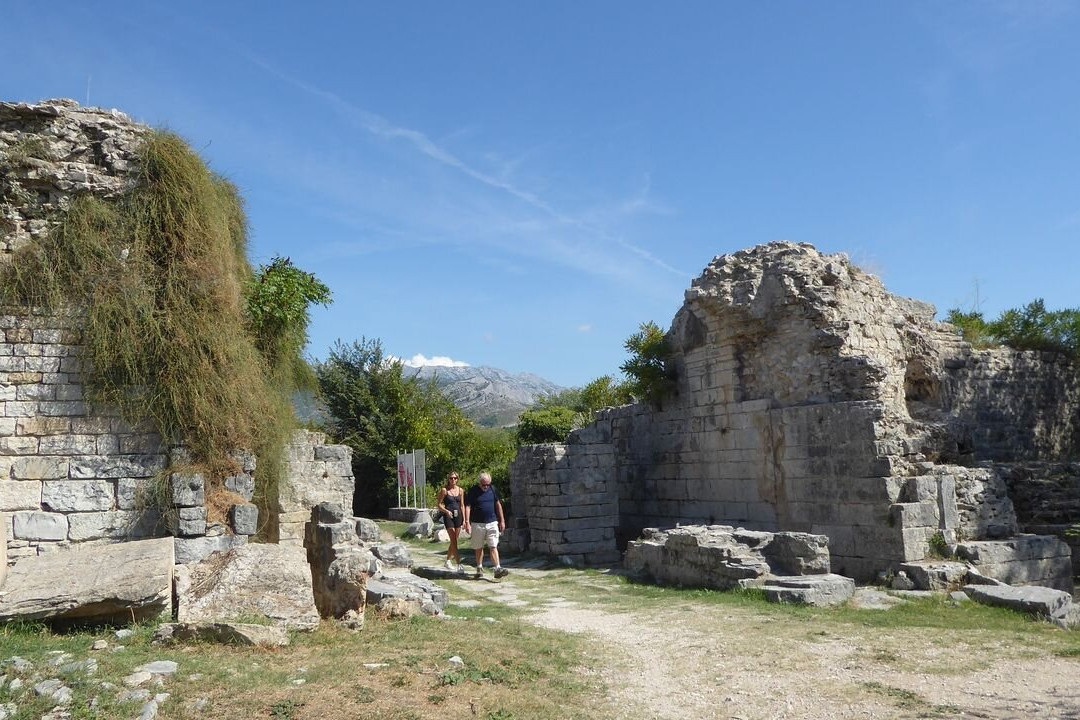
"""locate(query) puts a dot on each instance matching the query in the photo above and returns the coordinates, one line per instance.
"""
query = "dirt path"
(682, 661)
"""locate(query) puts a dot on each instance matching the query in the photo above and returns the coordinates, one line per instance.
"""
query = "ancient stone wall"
(807, 399)
(314, 473)
(71, 473)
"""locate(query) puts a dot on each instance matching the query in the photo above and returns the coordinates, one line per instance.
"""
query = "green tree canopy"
(648, 376)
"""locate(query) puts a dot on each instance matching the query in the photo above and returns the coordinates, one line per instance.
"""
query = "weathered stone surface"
(806, 397)
(936, 574)
(1042, 601)
(421, 525)
(19, 494)
(393, 554)
(187, 489)
(719, 556)
(425, 595)
(196, 549)
(1022, 560)
(224, 633)
(269, 580)
(340, 565)
(188, 521)
(116, 466)
(77, 495)
(103, 583)
(367, 530)
(818, 590)
(39, 526)
(115, 525)
(244, 519)
(309, 482)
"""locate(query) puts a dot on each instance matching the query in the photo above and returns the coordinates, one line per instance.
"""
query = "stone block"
(192, 550)
(18, 444)
(245, 519)
(127, 493)
(108, 583)
(819, 590)
(116, 466)
(243, 485)
(20, 494)
(113, 525)
(189, 522)
(7, 425)
(1041, 601)
(68, 445)
(35, 392)
(32, 525)
(77, 495)
(39, 468)
(187, 489)
(44, 426)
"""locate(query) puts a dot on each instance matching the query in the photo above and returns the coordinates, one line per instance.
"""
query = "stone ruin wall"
(71, 474)
(808, 399)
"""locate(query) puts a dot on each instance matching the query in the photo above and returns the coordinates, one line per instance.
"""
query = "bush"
(649, 377)
(546, 425)
(1032, 327)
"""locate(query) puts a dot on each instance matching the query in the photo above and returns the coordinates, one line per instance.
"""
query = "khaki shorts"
(485, 533)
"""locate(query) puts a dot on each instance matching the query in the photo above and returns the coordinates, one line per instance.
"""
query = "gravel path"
(703, 662)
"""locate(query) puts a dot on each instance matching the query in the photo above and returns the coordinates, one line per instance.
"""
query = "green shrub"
(1031, 327)
(546, 425)
(649, 377)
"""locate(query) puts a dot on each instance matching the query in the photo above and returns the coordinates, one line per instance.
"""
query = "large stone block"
(103, 583)
(39, 468)
(114, 525)
(77, 495)
(273, 581)
(20, 494)
(30, 525)
(115, 467)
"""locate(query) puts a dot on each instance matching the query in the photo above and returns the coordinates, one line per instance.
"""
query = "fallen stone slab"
(115, 583)
(871, 599)
(428, 597)
(1042, 601)
(422, 524)
(393, 554)
(273, 581)
(724, 557)
(936, 574)
(819, 590)
(225, 633)
(1022, 560)
(439, 573)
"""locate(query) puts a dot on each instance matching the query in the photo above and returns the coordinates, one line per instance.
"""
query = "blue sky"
(520, 185)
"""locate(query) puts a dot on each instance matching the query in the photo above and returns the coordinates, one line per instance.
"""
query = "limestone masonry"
(70, 474)
(809, 399)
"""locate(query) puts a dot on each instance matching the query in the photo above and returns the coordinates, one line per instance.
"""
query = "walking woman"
(450, 505)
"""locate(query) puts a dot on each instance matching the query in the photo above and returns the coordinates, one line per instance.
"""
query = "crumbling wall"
(314, 473)
(71, 473)
(809, 399)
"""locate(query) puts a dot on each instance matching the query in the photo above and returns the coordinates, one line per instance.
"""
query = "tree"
(1031, 327)
(604, 392)
(648, 376)
(378, 411)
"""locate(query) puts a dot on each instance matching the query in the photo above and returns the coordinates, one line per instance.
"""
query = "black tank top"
(453, 504)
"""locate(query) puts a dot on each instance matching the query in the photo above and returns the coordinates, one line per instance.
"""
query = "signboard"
(412, 479)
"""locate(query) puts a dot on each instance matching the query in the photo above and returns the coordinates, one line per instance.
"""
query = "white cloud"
(419, 360)
(584, 328)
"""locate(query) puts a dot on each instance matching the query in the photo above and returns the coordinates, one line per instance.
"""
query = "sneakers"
(460, 569)
(479, 572)
(449, 564)
(501, 572)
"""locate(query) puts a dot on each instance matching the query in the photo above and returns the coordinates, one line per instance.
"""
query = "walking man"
(484, 521)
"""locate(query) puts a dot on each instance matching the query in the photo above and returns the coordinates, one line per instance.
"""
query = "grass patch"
(912, 702)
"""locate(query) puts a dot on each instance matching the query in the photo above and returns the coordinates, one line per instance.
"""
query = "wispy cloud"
(585, 328)
(380, 127)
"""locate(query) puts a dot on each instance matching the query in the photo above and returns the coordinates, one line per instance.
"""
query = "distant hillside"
(489, 396)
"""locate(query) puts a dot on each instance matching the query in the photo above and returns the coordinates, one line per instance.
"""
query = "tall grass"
(158, 277)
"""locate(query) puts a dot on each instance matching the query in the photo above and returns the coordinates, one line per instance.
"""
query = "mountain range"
(489, 396)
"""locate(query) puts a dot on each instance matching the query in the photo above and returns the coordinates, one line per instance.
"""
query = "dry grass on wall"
(160, 275)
